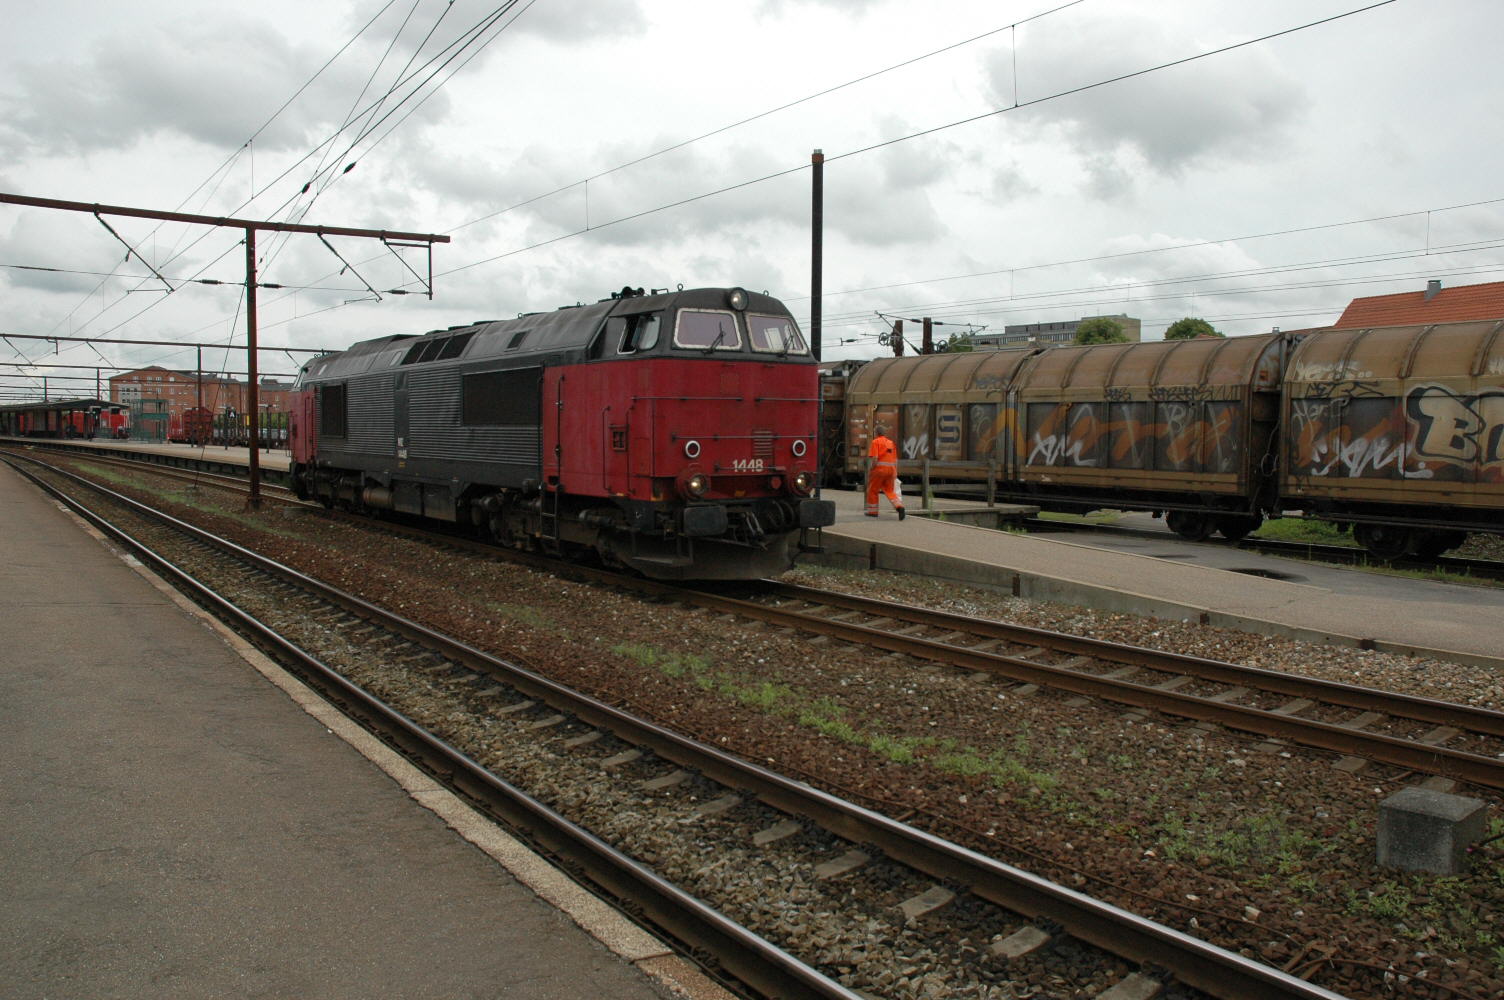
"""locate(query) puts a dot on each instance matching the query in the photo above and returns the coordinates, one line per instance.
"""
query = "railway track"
(190, 475)
(1359, 725)
(831, 879)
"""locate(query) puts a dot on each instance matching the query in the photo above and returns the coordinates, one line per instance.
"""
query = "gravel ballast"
(1266, 852)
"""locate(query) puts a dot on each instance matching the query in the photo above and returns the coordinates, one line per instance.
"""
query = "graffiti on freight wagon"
(1457, 429)
(1173, 436)
(1431, 433)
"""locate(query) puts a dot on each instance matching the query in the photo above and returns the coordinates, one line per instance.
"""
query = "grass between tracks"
(207, 499)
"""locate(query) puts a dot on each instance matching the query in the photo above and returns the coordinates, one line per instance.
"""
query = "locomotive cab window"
(775, 335)
(631, 334)
(706, 330)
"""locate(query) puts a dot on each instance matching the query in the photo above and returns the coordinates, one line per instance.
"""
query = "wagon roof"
(1429, 350)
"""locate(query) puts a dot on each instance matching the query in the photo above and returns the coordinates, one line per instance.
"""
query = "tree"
(1100, 330)
(958, 342)
(1190, 328)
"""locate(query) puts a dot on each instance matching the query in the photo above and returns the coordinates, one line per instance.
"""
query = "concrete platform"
(175, 825)
(270, 459)
(1216, 585)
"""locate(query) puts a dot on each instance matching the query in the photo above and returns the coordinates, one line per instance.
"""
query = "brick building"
(179, 391)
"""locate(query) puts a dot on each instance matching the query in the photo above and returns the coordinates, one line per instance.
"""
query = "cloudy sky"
(989, 162)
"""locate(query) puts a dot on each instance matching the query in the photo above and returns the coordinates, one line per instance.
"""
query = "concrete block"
(1020, 943)
(1136, 987)
(848, 862)
(717, 806)
(927, 902)
(1425, 830)
(778, 831)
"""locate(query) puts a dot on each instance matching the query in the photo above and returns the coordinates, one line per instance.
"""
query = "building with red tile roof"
(1434, 305)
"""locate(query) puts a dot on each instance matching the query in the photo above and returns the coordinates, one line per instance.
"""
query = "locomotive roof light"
(737, 299)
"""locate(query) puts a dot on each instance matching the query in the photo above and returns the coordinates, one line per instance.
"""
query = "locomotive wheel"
(1191, 525)
(1383, 541)
(1235, 527)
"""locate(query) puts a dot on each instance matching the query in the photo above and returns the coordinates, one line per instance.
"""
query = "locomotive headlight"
(737, 299)
(697, 485)
(802, 482)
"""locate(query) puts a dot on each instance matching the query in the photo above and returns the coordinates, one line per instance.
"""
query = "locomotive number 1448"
(746, 465)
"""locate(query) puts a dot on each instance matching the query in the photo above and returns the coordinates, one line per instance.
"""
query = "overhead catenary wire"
(680, 202)
(681, 144)
(223, 168)
(464, 41)
(855, 320)
(1129, 288)
(831, 158)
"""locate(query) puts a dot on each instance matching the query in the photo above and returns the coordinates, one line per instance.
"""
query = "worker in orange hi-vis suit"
(882, 475)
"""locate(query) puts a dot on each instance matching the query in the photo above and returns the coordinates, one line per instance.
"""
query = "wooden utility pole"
(251, 227)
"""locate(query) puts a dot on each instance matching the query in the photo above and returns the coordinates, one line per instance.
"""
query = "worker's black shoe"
(900, 513)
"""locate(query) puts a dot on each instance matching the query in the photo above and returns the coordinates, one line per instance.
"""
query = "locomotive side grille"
(435, 430)
(762, 444)
(368, 428)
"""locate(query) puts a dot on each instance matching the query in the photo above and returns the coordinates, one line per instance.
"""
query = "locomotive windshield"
(775, 334)
(707, 330)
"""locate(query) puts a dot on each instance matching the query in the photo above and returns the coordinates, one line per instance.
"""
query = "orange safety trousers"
(883, 478)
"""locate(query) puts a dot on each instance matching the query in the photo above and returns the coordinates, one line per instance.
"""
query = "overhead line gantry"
(392, 240)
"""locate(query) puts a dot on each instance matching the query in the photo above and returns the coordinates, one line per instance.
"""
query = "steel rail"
(752, 959)
(145, 458)
(1197, 963)
(184, 474)
(1457, 764)
(1441, 713)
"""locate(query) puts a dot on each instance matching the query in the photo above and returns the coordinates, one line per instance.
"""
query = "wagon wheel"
(1384, 541)
(1431, 544)
(1234, 527)
(1192, 525)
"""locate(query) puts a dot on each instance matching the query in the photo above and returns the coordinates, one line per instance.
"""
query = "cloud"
(1170, 119)
(209, 80)
(573, 21)
(776, 8)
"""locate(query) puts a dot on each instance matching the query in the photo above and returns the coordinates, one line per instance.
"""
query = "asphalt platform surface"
(177, 825)
(1170, 578)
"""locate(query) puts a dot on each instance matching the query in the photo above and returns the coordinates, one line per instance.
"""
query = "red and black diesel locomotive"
(673, 433)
